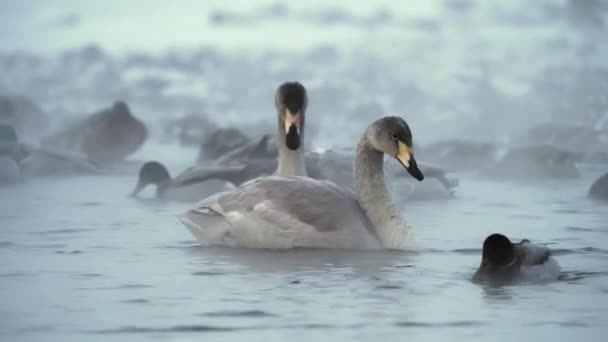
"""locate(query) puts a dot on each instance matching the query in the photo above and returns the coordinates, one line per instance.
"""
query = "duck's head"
(291, 102)
(499, 264)
(498, 252)
(121, 109)
(392, 135)
(152, 173)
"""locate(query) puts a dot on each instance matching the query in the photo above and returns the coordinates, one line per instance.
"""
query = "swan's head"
(291, 102)
(498, 252)
(151, 173)
(393, 136)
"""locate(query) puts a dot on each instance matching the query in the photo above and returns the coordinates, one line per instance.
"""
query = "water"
(81, 261)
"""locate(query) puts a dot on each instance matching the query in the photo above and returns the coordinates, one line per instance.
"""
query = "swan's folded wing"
(316, 203)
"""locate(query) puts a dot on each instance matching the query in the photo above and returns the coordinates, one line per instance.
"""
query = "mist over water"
(79, 260)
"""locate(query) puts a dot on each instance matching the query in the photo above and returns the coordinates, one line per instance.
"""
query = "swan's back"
(283, 212)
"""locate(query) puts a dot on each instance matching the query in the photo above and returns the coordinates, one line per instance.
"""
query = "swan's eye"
(394, 137)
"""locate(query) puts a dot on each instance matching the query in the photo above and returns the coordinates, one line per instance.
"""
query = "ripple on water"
(207, 273)
(468, 251)
(90, 204)
(574, 276)
(58, 231)
(239, 313)
(525, 217)
(583, 250)
(451, 324)
(6, 244)
(579, 229)
(199, 328)
(569, 211)
(136, 301)
(388, 287)
(16, 275)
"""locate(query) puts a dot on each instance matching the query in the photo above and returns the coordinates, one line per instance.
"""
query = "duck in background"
(191, 185)
(105, 137)
(19, 161)
(533, 162)
(220, 142)
(10, 171)
(504, 262)
(599, 188)
(584, 140)
(460, 154)
(26, 117)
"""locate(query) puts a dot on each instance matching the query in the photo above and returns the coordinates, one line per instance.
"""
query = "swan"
(284, 212)
(199, 182)
(504, 262)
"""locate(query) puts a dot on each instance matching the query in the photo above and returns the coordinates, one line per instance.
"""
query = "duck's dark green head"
(151, 173)
(498, 251)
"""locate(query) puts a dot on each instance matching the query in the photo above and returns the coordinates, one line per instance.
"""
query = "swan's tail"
(209, 227)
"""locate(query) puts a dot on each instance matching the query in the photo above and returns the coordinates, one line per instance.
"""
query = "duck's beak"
(405, 156)
(138, 188)
(292, 129)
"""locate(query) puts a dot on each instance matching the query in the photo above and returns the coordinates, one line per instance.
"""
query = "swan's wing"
(532, 254)
(319, 204)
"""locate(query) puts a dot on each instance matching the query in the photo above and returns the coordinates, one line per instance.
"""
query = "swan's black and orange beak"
(405, 156)
(292, 129)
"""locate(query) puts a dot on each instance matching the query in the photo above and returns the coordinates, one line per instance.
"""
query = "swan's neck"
(291, 163)
(375, 199)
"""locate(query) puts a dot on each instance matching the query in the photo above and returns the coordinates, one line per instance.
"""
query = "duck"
(105, 137)
(599, 188)
(10, 171)
(219, 142)
(190, 185)
(281, 212)
(504, 262)
(24, 115)
(41, 162)
(21, 161)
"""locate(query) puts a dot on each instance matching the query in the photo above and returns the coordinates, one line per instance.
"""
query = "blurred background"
(452, 68)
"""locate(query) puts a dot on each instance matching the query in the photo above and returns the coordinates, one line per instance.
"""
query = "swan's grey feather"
(318, 203)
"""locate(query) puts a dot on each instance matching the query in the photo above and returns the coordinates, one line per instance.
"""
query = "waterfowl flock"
(268, 192)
